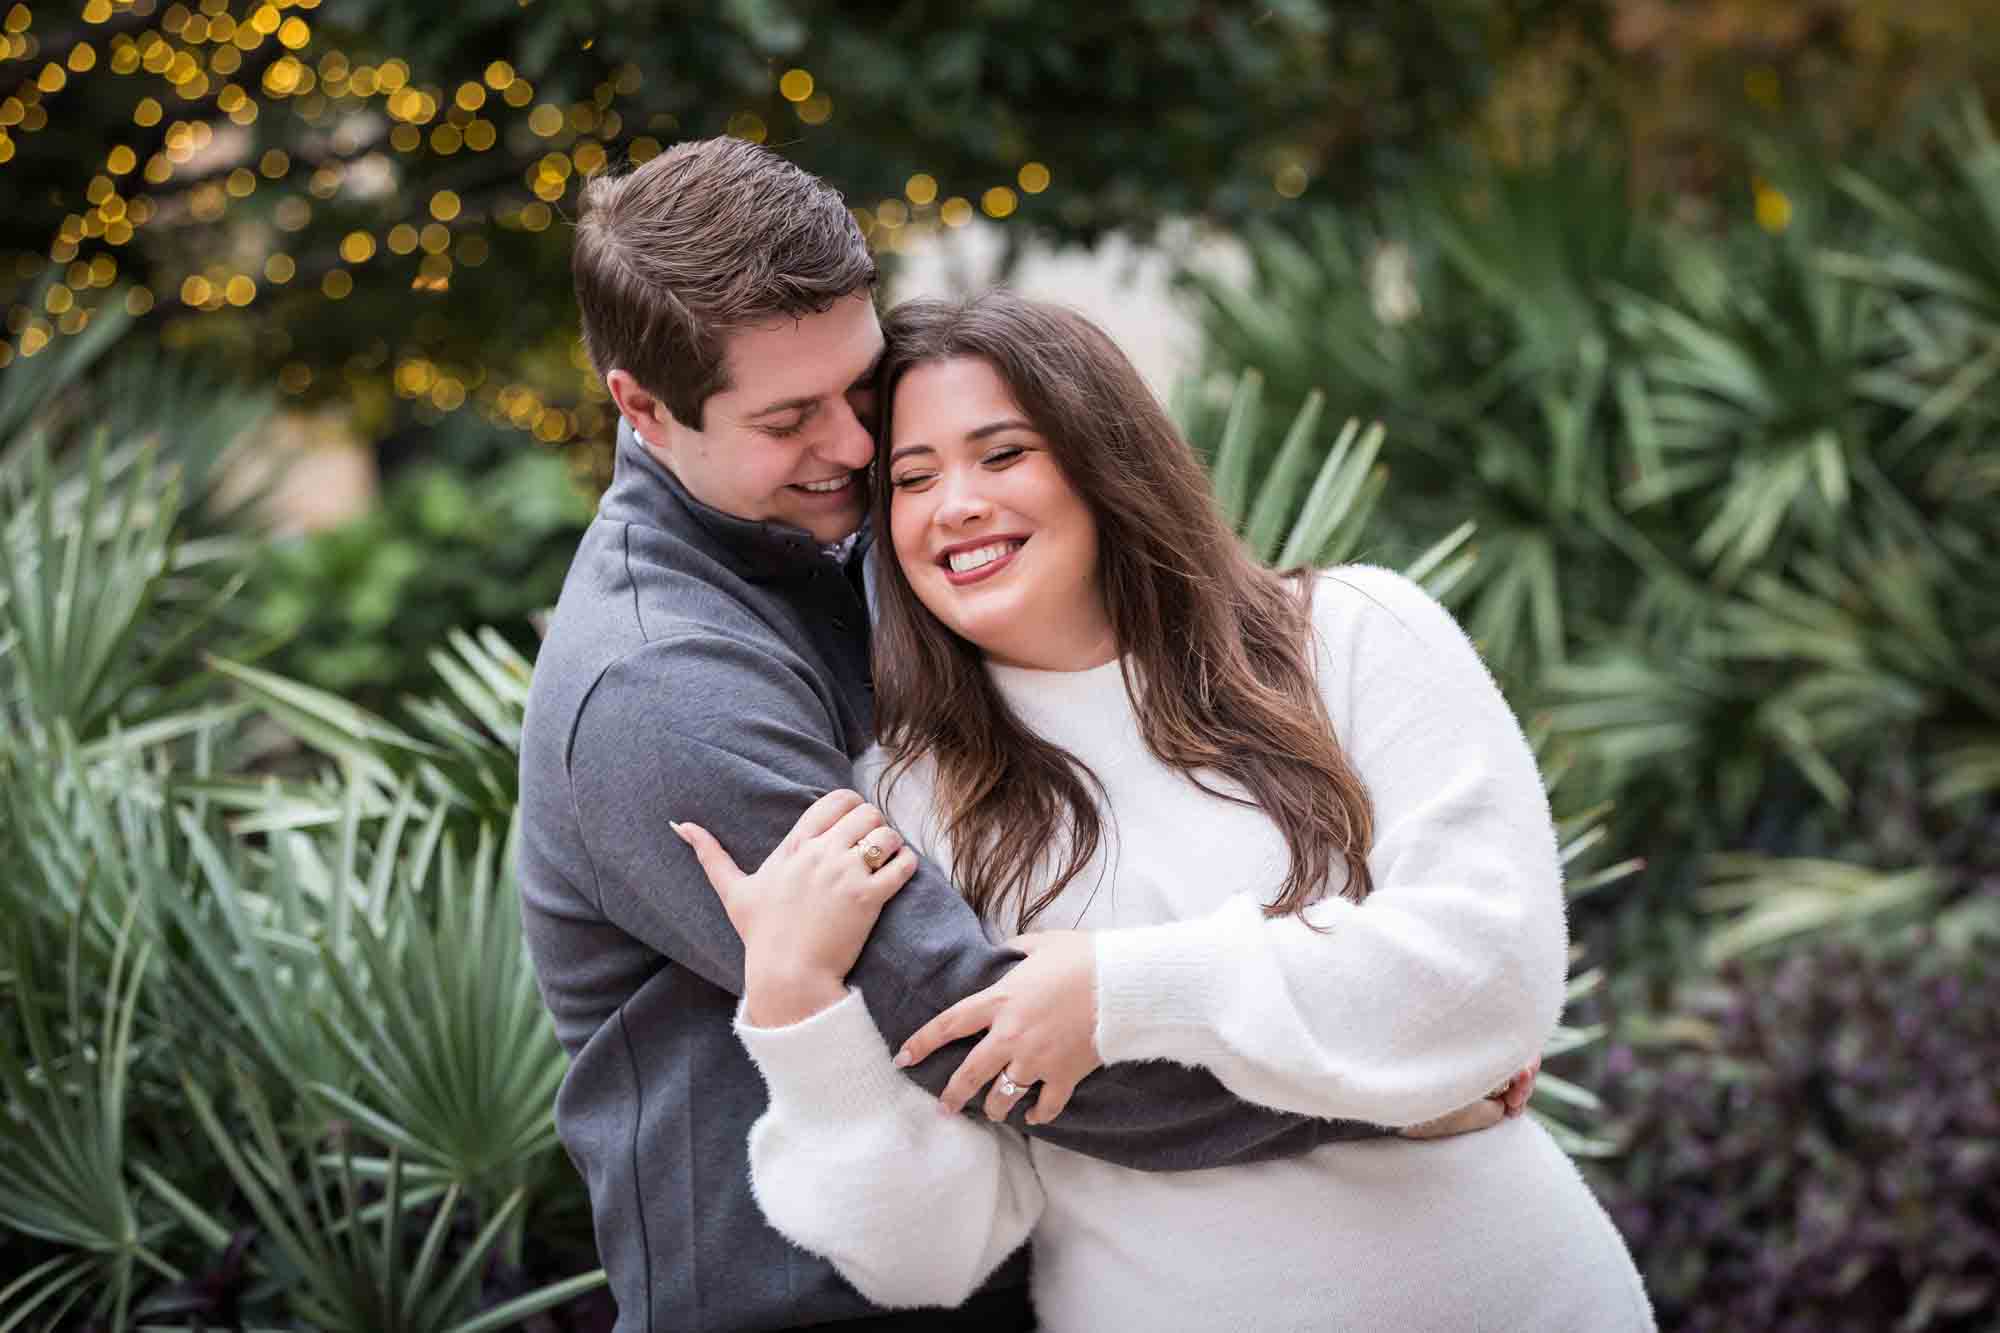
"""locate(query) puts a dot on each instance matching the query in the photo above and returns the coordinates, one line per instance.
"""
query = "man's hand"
(805, 914)
(1504, 1103)
(1040, 1022)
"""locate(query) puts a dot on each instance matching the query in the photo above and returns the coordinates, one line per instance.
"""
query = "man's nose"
(848, 441)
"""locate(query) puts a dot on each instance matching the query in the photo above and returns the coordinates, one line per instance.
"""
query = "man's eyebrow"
(812, 400)
(991, 428)
(786, 405)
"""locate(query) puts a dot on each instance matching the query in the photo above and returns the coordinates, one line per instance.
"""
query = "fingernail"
(944, 1109)
(903, 1060)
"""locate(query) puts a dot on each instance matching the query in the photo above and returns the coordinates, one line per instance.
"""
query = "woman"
(1284, 828)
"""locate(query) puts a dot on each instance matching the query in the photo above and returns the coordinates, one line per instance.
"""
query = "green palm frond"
(63, 1148)
(1775, 900)
(354, 1268)
(99, 606)
(466, 757)
(455, 1061)
(1755, 397)
(1948, 240)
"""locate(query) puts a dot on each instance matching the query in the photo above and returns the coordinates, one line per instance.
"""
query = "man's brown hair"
(710, 237)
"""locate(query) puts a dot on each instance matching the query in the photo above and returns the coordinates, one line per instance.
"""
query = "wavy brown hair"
(1216, 647)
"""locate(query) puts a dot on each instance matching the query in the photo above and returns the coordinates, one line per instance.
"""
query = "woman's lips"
(986, 571)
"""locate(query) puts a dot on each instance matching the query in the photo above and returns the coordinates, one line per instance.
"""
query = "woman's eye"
(907, 480)
(1004, 456)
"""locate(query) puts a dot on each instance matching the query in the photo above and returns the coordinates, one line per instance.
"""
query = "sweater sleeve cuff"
(1157, 987)
(1163, 992)
(835, 1062)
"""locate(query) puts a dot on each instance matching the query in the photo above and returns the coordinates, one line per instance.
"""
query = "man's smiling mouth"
(827, 487)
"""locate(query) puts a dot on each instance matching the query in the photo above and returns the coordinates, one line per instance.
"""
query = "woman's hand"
(805, 914)
(1040, 1022)
(1503, 1103)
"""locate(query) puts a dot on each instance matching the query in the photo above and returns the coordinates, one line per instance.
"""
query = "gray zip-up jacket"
(707, 668)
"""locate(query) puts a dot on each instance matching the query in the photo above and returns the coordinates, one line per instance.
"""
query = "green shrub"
(270, 1051)
(1735, 498)
(1822, 1156)
(357, 608)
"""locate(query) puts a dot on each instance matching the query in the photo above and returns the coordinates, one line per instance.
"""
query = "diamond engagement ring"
(1008, 1087)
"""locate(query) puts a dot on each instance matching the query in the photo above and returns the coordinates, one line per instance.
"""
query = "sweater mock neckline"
(1065, 702)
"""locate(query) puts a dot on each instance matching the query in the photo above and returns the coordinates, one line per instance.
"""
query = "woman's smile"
(977, 561)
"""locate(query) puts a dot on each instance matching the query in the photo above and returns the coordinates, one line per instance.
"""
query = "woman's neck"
(1057, 655)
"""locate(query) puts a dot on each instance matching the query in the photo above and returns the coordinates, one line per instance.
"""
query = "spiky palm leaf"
(353, 1265)
(99, 605)
(63, 1137)
(439, 1015)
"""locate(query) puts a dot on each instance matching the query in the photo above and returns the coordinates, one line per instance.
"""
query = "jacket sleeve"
(1449, 977)
(744, 758)
(851, 1159)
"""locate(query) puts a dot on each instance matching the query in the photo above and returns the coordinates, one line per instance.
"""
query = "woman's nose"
(963, 502)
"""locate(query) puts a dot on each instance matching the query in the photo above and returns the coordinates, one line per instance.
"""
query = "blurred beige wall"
(317, 471)
(1126, 288)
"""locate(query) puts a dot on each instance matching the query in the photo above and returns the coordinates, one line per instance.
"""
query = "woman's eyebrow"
(982, 432)
(995, 427)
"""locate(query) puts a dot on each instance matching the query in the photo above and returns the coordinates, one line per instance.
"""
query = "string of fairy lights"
(223, 65)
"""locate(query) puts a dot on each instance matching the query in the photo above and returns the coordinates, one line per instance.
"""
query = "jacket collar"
(645, 492)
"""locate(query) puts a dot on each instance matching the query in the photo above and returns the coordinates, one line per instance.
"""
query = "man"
(708, 661)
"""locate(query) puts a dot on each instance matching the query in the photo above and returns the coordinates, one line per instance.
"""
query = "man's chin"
(829, 525)
(827, 531)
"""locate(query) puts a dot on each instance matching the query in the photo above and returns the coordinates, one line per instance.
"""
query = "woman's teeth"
(824, 487)
(965, 561)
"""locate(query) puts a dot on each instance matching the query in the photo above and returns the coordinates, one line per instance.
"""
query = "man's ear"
(640, 406)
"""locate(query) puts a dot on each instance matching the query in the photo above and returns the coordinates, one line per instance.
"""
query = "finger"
(852, 827)
(885, 842)
(1519, 1089)
(890, 879)
(971, 1014)
(981, 1067)
(824, 813)
(1482, 1114)
(1050, 1099)
(721, 869)
(1000, 1105)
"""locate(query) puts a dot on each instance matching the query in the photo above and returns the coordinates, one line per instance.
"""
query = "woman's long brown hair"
(1217, 657)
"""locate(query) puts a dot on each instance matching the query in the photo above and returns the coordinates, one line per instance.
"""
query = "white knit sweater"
(1446, 980)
